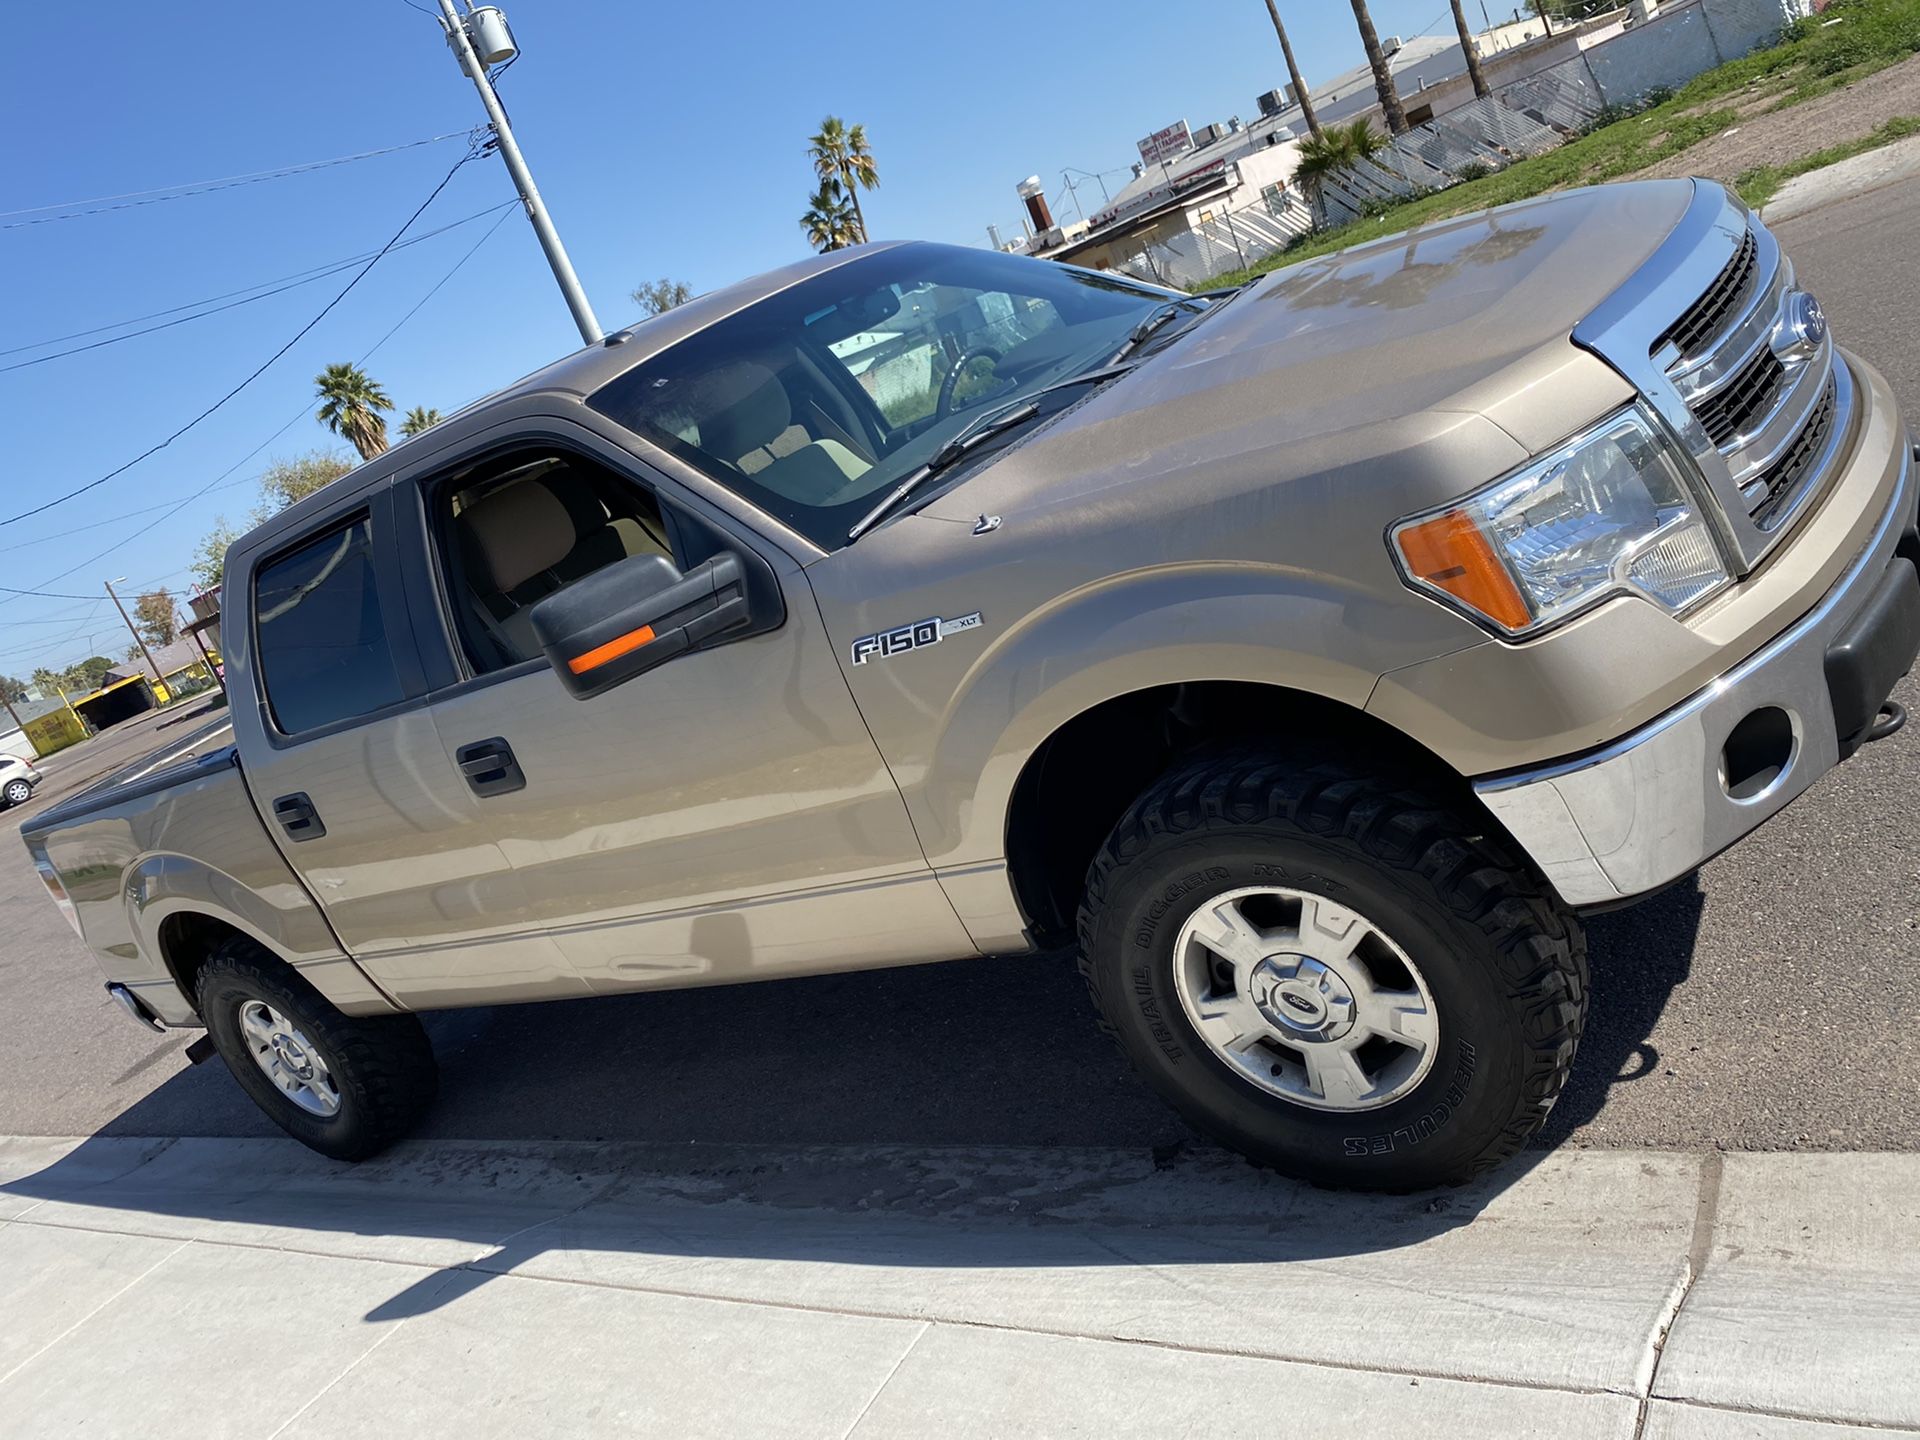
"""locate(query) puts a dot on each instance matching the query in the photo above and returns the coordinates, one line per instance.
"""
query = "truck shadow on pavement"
(963, 1117)
(1638, 958)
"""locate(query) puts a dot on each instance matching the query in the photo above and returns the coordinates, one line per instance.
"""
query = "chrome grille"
(1752, 395)
(1785, 477)
(1712, 333)
(1707, 317)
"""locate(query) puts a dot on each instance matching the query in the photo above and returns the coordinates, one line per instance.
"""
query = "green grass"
(1760, 184)
(1812, 59)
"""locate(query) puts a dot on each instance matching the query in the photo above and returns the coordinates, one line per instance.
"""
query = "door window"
(515, 530)
(320, 636)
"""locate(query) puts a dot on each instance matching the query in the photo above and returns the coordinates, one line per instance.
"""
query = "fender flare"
(1138, 631)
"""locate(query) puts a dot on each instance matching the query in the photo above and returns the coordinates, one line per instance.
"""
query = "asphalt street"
(1771, 1004)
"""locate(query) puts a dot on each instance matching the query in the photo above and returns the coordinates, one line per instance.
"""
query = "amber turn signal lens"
(612, 650)
(1450, 552)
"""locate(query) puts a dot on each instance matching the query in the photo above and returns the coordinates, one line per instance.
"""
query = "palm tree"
(830, 223)
(420, 417)
(1293, 69)
(1480, 86)
(352, 404)
(1335, 149)
(1382, 73)
(839, 153)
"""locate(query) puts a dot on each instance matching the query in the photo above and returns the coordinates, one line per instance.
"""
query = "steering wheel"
(954, 376)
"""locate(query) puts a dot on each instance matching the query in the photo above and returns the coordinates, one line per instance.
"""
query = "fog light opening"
(1757, 753)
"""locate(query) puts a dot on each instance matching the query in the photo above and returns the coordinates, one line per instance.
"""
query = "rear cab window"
(320, 634)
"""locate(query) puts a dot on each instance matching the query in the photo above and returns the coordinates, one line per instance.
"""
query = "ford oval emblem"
(1802, 329)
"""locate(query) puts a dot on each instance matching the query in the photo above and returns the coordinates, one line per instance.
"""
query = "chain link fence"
(1221, 242)
(1522, 118)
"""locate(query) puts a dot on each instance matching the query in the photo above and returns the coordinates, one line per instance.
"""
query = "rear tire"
(18, 792)
(1459, 941)
(367, 1081)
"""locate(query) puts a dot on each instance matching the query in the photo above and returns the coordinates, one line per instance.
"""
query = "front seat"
(519, 534)
(752, 426)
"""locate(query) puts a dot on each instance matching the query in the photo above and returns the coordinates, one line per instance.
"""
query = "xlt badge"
(916, 636)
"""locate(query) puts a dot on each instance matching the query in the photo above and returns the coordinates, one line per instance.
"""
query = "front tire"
(344, 1086)
(1342, 981)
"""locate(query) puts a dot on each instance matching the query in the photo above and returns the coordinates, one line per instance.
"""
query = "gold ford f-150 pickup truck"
(1309, 655)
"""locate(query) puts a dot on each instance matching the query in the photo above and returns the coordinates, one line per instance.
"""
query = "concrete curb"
(486, 1288)
(1875, 170)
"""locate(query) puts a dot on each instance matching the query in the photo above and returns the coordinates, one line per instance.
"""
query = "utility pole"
(158, 678)
(536, 208)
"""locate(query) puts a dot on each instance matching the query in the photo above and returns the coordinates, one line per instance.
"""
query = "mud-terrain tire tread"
(1539, 943)
(383, 1064)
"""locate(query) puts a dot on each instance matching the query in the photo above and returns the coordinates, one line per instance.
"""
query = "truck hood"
(1472, 316)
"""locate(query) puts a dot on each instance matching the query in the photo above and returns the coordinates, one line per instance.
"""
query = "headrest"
(521, 530)
(744, 406)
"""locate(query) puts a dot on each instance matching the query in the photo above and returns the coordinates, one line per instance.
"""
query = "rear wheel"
(1341, 980)
(18, 792)
(344, 1086)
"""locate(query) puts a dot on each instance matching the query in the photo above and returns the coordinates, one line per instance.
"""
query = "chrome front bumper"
(1649, 808)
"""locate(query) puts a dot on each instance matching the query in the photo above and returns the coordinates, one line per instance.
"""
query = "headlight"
(1610, 512)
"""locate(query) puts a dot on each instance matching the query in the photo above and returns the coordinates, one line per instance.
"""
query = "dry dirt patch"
(1782, 136)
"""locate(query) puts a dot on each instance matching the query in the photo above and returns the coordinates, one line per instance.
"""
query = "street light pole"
(536, 208)
(158, 678)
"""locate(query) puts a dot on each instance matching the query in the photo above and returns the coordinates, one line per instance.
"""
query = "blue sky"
(668, 140)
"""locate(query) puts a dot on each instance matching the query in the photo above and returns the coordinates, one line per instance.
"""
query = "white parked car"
(17, 779)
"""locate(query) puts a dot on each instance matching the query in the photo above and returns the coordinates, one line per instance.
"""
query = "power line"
(282, 283)
(64, 619)
(437, 285)
(119, 519)
(294, 419)
(161, 194)
(472, 151)
(44, 594)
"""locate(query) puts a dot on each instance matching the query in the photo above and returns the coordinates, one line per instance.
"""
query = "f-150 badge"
(916, 636)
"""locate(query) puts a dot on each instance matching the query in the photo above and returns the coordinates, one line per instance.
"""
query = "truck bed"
(166, 846)
(208, 748)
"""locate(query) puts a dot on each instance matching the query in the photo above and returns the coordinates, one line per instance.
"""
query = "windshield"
(816, 401)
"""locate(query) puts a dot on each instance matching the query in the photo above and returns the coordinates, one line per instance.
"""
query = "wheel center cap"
(290, 1053)
(1302, 998)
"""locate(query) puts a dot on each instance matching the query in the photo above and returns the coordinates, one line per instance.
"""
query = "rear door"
(345, 765)
(725, 816)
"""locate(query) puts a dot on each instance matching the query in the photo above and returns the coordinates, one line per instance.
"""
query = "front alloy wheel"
(1347, 981)
(1305, 999)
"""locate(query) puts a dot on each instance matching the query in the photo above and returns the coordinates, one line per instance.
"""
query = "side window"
(513, 531)
(321, 639)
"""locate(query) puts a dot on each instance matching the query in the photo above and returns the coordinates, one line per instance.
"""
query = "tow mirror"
(623, 620)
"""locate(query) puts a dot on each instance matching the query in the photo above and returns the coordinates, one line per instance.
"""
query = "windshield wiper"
(981, 430)
(1160, 318)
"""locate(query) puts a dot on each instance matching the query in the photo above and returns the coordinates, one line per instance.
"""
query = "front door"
(725, 816)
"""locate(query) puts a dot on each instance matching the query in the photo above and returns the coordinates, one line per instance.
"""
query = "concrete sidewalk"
(248, 1288)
